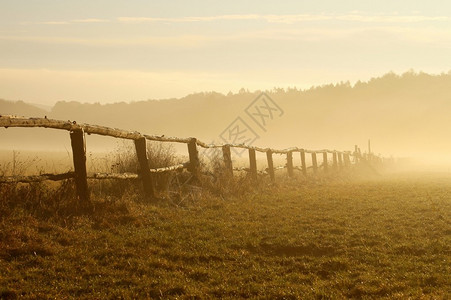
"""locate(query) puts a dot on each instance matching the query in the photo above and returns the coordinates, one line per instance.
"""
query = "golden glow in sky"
(110, 51)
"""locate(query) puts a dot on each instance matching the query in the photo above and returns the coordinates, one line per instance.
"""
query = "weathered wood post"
(144, 170)
(356, 152)
(253, 164)
(326, 167)
(270, 166)
(347, 160)
(194, 162)
(340, 160)
(77, 140)
(290, 164)
(303, 166)
(335, 161)
(314, 163)
(227, 159)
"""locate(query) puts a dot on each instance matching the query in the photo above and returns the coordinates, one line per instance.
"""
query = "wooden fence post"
(253, 164)
(227, 159)
(194, 162)
(335, 161)
(314, 163)
(326, 167)
(290, 164)
(144, 170)
(77, 141)
(303, 166)
(270, 166)
(356, 154)
(347, 160)
(340, 160)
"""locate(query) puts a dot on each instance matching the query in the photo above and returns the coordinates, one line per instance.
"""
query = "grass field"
(379, 238)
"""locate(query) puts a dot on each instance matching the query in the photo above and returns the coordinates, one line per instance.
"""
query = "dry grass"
(227, 237)
(312, 239)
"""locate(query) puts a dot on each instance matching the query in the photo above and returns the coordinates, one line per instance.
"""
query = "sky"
(114, 51)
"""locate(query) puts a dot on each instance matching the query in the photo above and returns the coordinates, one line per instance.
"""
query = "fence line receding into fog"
(340, 159)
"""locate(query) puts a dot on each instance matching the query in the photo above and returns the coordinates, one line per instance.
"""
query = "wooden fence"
(340, 159)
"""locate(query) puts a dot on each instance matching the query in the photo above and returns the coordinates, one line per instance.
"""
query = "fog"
(405, 116)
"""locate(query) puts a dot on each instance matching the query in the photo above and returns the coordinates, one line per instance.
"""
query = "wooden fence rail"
(340, 159)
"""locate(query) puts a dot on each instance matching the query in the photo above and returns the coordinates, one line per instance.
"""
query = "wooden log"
(227, 160)
(303, 165)
(146, 177)
(314, 163)
(290, 164)
(340, 160)
(335, 160)
(325, 164)
(77, 140)
(253, 164)
(37, 178)
(14, 121)
(170, 168)
(194, 162)
(270, 166)
(122, 176)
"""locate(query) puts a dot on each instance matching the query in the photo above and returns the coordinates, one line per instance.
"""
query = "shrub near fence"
(340, 159)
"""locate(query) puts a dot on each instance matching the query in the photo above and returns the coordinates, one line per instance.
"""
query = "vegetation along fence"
(340, 159)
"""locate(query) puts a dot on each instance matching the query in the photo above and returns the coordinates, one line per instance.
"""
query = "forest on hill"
(403, 115)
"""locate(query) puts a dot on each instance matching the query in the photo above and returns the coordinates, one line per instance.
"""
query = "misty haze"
(178, 150)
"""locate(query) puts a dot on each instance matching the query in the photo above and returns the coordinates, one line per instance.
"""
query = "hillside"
(20, 108)
(404, 114)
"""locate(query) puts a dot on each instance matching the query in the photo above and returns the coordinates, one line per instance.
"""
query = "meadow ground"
(387, 237)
